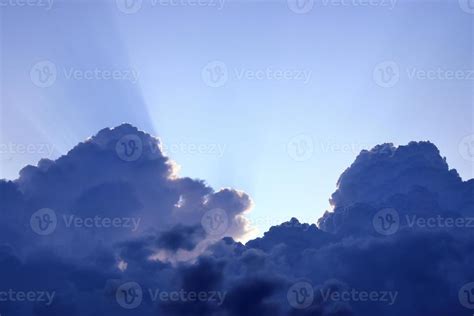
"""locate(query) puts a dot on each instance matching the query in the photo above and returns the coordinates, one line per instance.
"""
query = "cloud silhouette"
(110, 228)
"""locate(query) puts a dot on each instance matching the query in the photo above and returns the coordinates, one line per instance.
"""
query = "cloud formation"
(110, 228)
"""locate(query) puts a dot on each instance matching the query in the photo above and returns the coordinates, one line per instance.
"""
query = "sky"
(273, 98)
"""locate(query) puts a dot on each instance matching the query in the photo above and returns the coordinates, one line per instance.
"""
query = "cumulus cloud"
(110, 228)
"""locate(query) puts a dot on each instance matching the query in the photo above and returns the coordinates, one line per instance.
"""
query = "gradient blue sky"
(341, 109)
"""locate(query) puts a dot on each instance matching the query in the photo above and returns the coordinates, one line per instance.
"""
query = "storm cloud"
(111, 229)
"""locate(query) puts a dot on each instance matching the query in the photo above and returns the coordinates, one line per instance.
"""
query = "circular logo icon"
(300, 6)
(215, 74)
(300, 295)
(466, 147)
(129, 6)
(43, 74)
(386, 221)
(44, 221)
(386, 74)
(467, 6)
(129, 147)
(466, 295)
(215, 222)
(300, 147)
(129, 295)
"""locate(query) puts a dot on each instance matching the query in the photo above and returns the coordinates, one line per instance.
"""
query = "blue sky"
(311, 77)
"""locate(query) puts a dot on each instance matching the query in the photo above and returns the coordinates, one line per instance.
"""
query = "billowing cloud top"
(111, 229)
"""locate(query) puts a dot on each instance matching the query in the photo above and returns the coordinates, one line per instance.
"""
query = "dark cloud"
(385, 249)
